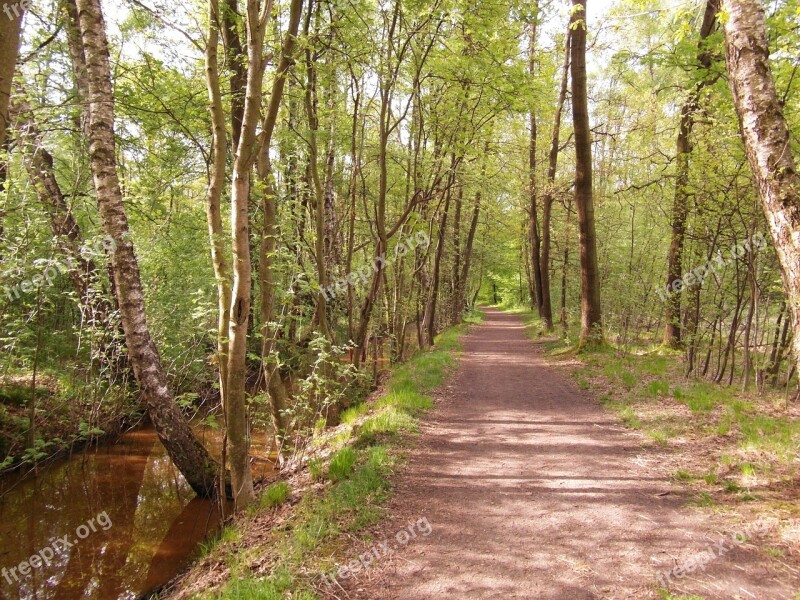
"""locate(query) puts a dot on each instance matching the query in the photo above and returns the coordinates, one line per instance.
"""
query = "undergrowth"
(365, 449)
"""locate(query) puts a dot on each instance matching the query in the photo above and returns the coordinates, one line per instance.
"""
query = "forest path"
(533, 491)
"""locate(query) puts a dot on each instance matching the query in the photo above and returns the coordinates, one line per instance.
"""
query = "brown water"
(149, 526)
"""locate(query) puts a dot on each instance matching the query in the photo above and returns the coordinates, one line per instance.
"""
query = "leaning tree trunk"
(82, 271)
(766, 140)
(183, 447)
(591, 319)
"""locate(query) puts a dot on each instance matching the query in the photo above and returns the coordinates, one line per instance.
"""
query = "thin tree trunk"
(318, 192)
(771, 369)
(533, 224)
(219, 154)
(461, 290)
(355, 162)
(246, 154)
(429, 321)
(748, 361)
(549, 195)
(564, 268)
(455, 308)
(680, 205)
(776, 366)
(183, 447)
(278, 394)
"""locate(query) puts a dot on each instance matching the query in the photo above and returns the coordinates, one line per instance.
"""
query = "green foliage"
(359, 479)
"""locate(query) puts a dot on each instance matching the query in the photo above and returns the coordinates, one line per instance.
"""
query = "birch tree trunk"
(766, 140)
(183, 447)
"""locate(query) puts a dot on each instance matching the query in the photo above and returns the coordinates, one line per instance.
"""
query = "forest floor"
(528, 488)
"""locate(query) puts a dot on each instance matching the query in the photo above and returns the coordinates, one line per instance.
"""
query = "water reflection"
(157, 523)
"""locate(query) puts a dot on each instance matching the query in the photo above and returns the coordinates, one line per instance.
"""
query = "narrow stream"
(113, 522)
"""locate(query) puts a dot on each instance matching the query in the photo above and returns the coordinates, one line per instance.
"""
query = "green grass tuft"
(341, 464)
(276, 494)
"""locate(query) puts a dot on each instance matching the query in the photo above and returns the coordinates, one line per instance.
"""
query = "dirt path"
(533, 491)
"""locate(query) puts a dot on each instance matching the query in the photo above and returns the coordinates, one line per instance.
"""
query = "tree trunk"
(219, 155)
(82, 271)
(766, 140)
(236, 62)
(183, 447)
(318, 192)
(246, 154)
(455, 309)
(461, 289)
(533, 224)
(591, 318)
(278, 394)
(355, 165)
(680, 205)
(429, 320)
(549, 195)
(10, 31)
(564, 268)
